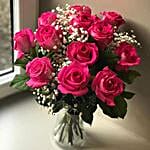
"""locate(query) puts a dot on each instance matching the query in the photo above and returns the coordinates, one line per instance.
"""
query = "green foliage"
(58, 105)
(28, 57)
(34, 51)
(61, 102)
(109, 57)
(87, 116)
(128, 76)
(87, 107)
(127, 95)
(21, 62)
(106, 58)
(96, 67)
(91, 39)
(19, 82)
(118, 111)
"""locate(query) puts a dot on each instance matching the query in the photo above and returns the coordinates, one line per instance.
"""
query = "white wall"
(137, 13)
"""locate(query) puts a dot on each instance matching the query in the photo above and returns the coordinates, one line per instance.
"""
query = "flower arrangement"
(78, 61)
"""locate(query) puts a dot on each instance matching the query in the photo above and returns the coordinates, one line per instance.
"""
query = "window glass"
(6, 22)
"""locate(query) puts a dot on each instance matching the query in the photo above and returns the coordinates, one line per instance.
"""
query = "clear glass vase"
(69, 132)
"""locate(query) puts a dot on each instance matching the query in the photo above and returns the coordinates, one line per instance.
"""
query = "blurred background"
(22, 120)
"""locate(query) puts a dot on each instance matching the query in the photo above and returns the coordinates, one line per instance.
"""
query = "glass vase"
(69, 132)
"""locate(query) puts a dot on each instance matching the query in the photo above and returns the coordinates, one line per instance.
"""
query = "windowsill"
(6, 90)
(15, 97)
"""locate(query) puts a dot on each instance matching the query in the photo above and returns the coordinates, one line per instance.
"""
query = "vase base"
(60, 146)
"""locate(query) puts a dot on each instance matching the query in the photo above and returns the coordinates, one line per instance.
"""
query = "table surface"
(26, 126)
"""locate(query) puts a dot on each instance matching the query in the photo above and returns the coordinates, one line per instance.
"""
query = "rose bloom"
(85, 53)
(47, 36)
(39, 70)
(47, 18)
(95, 18)
(81, 9)
(102, 33)
(24, 41)
(128, 56)
(82, 17)
(113, 18)
(73, 79)
(107, 86)
(82, 21)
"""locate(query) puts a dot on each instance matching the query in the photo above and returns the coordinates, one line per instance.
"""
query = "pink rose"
(95, 18)
(81, 21)
(128, 56)
(107, 86)
(85, 53)
(47, 36)
(82, 17)
(47, 18)
(24, 41)
(73, 79)
(82, 9)
(113, 18)
(102, 33)
(39, 70)
(20, 55)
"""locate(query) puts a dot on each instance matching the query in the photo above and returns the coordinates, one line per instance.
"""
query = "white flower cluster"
(44, 96)
(126, 37)
(69, 32)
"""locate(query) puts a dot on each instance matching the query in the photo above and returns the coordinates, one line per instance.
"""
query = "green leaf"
(21, 62)
(118, 111)
(87, 116)
(50, 54)
(127, 95)
(128, 76)
(19, 82)
(121, 106)
(90, 101)
(110, 57)
(88, 106)
(34, 51)
(58, 105)
(108, 110)
(96, 67)
(91, 39)
(67, 98)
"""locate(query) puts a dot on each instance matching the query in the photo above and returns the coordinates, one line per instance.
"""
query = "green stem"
(80, 130)
(69, 125)
(75, 129)
(61, 124)
(70, 133)
(62, 131)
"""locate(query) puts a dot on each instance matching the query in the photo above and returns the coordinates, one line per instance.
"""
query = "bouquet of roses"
(77, 61)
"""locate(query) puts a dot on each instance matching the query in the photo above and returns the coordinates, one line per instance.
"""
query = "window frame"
(21, 19)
